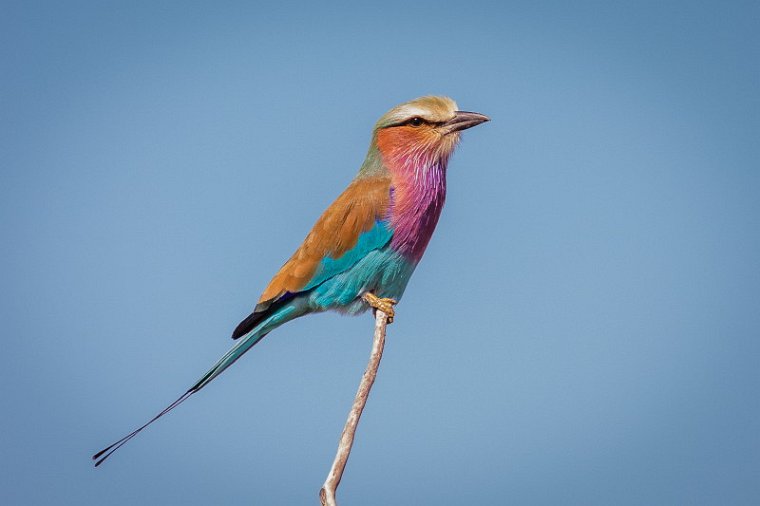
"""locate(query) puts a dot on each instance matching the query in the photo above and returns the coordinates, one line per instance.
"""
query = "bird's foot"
(383, 304)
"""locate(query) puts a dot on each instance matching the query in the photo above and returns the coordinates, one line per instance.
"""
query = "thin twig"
(327, 493)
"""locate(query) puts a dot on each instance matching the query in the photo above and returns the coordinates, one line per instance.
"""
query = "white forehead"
(429, 108)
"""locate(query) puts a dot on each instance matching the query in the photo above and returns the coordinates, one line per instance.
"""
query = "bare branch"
(329, 489)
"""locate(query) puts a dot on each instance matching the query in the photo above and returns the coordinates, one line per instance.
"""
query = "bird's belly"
(383, 272)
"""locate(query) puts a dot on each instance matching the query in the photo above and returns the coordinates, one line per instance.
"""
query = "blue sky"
(584, 328)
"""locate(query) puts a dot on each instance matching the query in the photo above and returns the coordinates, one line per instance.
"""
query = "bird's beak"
(463, 120)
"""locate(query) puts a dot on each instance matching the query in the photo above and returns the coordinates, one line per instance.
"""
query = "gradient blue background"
(584, 329)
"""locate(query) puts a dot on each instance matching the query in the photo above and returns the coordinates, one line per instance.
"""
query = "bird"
(363, 249)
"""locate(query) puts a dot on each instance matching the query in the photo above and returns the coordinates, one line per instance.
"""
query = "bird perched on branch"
(362, 251)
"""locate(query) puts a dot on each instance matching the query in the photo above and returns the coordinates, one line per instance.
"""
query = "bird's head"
(421, 132)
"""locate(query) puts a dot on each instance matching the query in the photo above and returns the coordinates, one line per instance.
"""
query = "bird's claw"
(383, 304)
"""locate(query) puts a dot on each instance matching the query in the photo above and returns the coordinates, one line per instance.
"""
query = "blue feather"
(384, 272)
(373, 239)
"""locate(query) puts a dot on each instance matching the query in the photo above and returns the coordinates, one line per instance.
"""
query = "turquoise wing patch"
(373, 239)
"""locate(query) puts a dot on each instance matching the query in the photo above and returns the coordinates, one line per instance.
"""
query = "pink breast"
(416, 203)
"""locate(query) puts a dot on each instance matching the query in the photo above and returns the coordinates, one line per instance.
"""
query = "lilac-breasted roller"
(365, 246)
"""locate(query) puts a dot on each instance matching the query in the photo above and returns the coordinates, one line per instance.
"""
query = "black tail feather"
(245, 328)
(247, 325)
(103, 454)
(262, 311)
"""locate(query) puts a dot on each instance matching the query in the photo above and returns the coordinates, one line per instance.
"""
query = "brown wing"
(338, 229)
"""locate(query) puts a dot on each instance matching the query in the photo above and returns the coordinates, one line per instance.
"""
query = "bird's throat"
(417, 198)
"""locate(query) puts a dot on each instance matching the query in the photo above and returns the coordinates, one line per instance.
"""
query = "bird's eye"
(416, 121)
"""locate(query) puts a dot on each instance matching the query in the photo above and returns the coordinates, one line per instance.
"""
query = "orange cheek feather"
(394, 143)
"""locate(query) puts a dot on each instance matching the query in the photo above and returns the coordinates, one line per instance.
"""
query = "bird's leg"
(383, 304)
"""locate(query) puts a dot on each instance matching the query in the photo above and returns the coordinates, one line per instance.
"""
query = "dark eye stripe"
(409, 121)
